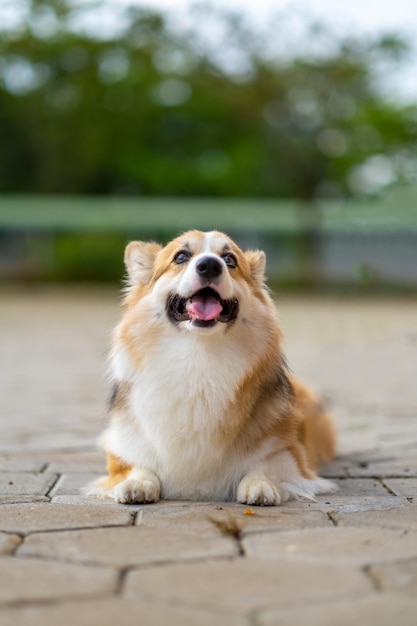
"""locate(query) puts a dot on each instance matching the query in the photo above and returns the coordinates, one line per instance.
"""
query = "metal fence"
(349, 244)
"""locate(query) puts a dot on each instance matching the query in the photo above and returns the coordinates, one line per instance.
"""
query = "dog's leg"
(262, 483)
(278, 476)
(141, 485)
(257, 489)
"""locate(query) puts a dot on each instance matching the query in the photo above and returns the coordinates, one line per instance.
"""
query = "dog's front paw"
(258, 491)
(137, 491)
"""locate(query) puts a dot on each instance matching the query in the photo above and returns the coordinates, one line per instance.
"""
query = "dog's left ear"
(139, 260)
(257, 261)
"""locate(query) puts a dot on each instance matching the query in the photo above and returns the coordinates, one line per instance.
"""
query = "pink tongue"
(204, 308)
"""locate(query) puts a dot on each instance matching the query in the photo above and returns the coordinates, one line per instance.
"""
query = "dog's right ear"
(139, 261)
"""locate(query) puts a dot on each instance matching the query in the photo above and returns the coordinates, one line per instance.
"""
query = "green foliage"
(152, 111)
(90, 257)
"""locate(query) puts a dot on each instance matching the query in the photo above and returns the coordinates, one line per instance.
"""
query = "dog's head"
(201, 282)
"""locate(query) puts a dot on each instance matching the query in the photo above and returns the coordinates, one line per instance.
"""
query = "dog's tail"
(316, 429)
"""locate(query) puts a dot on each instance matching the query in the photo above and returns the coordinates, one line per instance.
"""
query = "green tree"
(154, 110)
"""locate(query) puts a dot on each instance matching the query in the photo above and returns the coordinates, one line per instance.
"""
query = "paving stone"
(392, 468)
(127, 546)
(26, 518)
(132, 612)
(284, 519)
(400, 453)
(80, 462)
(21, 499)
(404, 517)
(244, 584)
(347, 545)
(376, 609)
(57, 420)
(348, 504)
(8, 543)
(93, 501)
(401, 576)
(402, 486)
(358, 487)
(190, 517)
(24, 580)
(20, 464)
(351, 438)
(393, 435)
(352, 494)
(72, 483)
(207, 518)
(335, 469)
(24, 484)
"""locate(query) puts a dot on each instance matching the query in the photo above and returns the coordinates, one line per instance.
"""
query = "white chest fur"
(182, 400)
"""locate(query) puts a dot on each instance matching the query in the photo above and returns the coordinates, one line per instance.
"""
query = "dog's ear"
(139, 260)
(257, 261)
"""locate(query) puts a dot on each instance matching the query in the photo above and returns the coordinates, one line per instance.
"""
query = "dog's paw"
(258, 491)
(134, 491)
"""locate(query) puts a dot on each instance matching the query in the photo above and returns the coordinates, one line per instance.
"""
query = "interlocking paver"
(245, 585)
(24, 580)
(404, 517)
(207, 518)
(402, 486)
(338, 468)
(340, 502)
(127, 546)
(358, 487)
(73, 483)
(107, 612)
(91, 501)
(25, 483)
(359, 546)
(77, 462)
(31, 517)
(348, 557)
(21, 464)
(22, 499)
(394, 467)
(374, 610)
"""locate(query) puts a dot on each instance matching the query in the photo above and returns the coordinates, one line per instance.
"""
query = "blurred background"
(291, 125)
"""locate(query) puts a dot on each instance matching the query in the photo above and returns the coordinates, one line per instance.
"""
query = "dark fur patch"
(280, 384)
(118, 396)
(112, 397)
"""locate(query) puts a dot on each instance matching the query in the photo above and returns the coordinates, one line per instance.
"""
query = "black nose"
(209, 267)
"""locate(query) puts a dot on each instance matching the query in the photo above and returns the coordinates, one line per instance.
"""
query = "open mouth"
(204, 308)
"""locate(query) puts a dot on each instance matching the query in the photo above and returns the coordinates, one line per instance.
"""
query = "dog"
(203, 405)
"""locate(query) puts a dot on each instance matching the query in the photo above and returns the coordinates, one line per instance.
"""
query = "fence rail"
(108, 213)
(369, 243)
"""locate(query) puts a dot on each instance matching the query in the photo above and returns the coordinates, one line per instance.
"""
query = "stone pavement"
(346, 558)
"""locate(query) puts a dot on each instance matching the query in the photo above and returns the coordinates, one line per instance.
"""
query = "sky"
(368, 15)
(358, 16)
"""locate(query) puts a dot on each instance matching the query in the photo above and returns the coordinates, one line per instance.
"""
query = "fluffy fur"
(203, 406)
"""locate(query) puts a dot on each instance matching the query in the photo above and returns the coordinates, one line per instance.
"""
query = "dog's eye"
(230, 260)
(182, 257)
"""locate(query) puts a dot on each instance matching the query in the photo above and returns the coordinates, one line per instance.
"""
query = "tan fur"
(117, 472)
(268, 405)
(316, 430)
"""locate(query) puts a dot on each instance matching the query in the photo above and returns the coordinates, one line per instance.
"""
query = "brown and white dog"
(203, 406)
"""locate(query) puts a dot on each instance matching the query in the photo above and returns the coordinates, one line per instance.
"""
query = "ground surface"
(348, 558)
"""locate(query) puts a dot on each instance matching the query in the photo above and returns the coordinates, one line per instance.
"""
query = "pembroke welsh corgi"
(203, 406)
